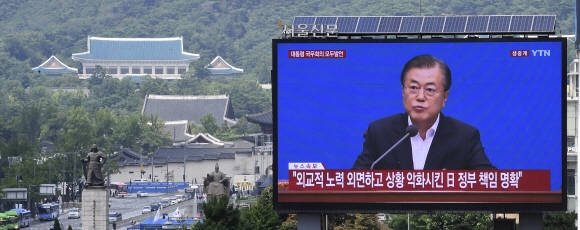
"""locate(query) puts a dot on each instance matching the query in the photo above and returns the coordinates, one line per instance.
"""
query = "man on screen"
(441, 143)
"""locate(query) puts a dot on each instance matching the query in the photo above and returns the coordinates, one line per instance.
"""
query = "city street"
(128, 206)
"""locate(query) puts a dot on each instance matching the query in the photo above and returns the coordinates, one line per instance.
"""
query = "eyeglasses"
(415, 90)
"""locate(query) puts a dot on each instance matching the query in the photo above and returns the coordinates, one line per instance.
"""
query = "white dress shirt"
(421, 147)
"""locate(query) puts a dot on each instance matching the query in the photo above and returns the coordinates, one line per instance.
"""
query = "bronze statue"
(95, 160)
(216, 184)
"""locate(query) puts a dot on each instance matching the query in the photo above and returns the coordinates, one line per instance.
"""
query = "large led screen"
(489, 113)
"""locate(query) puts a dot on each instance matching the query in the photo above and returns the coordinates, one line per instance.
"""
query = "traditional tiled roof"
(178, 130)
(190, 108)
(220, 66)
(260, 118)
(205, 138)
(240, 143)
(177, 155)
(53, 66)
(211, 156)
(135, 49)
(127, 156)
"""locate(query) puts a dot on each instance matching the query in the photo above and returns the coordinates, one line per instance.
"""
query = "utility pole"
(167, 175)
(184, 160)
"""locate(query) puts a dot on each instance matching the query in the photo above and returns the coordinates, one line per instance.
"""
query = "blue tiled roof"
(135, 49)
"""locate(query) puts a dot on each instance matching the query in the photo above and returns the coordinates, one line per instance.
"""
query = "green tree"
(262, 215)
(153, 134)
(28, 122)
(57, 225)
(562, 221)
(104, 122)
(78, 130)
(127, 130)
(208, 122)
(219, 215)
(291, 223)
(98, 76)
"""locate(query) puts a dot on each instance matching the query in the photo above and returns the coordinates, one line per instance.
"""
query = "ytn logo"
(541, 53)
(527, 53)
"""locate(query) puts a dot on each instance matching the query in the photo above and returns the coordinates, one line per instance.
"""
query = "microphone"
(411, 131)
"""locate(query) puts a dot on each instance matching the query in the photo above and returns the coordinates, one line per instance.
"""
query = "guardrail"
(142, 217)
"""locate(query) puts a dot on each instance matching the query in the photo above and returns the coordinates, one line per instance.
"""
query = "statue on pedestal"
(216, 184)
(95, 160)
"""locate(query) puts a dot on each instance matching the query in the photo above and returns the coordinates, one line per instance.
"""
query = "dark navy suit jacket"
(456, 145)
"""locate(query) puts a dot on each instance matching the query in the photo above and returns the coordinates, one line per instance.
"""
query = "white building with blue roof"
(161, 58)
(219, 66)
(53, 67)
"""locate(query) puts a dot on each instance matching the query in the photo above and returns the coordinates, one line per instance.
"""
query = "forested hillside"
(240, 31)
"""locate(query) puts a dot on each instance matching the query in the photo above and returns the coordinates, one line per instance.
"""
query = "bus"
(3, 220)
(118, 189)
(24, 217)
(12, 220)
(48, 211)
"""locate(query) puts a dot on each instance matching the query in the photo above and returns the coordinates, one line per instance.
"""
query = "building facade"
(161, 58)
(572, 137)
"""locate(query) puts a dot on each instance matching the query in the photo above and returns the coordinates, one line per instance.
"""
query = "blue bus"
(24, 217)
(48, 211)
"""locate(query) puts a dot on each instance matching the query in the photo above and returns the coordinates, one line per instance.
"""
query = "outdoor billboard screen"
(497, 144)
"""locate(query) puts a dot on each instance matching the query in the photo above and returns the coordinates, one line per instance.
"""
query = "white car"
(142, 194)
(179, 198)
(173, 201)
(74, 213)
(146, 209)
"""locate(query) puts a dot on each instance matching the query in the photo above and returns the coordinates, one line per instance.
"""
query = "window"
(181, 70)
(136, 70)
(90, 70)
(158, 166)
(170, 70)
(158, 70)
(147, 70)
(570, 141)
(571, 182)
(113, 70)
(124, 70)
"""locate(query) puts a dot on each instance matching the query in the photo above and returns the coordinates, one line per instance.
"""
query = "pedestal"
(95, 208)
